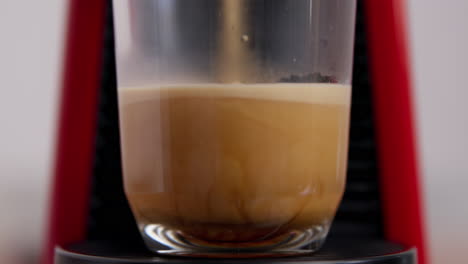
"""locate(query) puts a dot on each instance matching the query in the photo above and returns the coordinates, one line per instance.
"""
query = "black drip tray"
(334, 252)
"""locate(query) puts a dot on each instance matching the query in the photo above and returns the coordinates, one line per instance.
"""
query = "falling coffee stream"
(236, 65)
(234, 55)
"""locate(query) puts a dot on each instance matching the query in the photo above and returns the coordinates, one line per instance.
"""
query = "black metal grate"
(110, 216)
(358, 216)
(349, 251)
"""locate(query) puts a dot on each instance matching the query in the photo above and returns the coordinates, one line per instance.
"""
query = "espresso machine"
(379, 219)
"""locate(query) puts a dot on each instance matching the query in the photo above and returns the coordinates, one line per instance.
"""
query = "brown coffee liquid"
(235, 163)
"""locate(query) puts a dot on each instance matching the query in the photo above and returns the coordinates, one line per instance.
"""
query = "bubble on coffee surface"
(308, 78)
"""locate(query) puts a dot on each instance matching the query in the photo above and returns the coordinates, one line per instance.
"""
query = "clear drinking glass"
(234, 119)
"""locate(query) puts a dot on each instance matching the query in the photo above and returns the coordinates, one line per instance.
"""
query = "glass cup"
(234, 118)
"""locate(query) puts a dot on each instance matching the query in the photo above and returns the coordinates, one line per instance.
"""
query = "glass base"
(166, 241)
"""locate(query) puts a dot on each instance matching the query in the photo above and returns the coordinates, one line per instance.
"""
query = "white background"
(31, 35)
(439, 45)
(31, 39)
